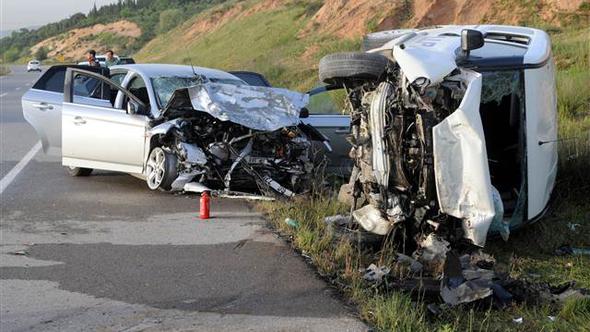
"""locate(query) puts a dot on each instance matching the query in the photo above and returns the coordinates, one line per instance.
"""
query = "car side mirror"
(471, 40)
(304, 113)
(135, 108)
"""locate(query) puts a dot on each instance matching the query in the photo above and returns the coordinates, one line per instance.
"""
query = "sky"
(16, 14)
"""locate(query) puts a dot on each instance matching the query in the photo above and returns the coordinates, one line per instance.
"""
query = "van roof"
(505, 46)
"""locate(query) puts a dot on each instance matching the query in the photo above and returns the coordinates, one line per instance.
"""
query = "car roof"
(156, 70)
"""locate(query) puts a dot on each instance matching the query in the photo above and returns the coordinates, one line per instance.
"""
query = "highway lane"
(105, 253)
(16, 136)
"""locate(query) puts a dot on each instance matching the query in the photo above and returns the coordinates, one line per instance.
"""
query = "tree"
(169, 19)
(11, 55)
(41, 53)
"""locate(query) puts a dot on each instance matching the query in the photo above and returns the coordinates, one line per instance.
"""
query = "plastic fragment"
(292, 222)
(518, 320)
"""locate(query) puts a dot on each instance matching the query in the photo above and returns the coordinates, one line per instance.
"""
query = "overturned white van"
(453, 130)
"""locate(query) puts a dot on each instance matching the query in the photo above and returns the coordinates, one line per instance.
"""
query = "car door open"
(42, 105)
(96, 132)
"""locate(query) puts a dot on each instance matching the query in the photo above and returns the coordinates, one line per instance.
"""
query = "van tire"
(78, 171)
(345, 67)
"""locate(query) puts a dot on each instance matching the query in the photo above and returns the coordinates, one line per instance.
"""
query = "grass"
(4, 70)
(529, 253)
(265, 42)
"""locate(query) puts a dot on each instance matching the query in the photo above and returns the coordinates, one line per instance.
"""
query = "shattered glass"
(498, 84)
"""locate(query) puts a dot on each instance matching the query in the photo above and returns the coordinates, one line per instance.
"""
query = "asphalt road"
(105, 253)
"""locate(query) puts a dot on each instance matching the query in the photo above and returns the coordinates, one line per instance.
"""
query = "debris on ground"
(539, 293)
(518, 320)
(292, 222)
(248, 197)
(464, 281)
(375, 273)
(338, 220)
(566, 250)
(432, 252)
(414, 265)
(573, 227)
(19, 253)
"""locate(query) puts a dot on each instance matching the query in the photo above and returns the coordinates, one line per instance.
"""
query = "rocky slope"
(72, 45)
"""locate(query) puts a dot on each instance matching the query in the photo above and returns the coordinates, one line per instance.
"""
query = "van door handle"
(43, 106)
(78, 120)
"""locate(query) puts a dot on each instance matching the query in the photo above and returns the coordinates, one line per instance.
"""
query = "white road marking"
(4, 94)
(18, 88)
(10, 176)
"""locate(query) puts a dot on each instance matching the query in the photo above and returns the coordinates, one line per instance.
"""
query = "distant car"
(34, 65)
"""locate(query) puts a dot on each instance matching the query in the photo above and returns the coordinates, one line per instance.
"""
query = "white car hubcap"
(156, 168)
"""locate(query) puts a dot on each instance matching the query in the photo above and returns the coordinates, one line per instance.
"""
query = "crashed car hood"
(258, 108)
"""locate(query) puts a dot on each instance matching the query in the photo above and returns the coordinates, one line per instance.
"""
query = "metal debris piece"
(196, 187)
(247, 197)
(468, 291)
(337, 220)
(464, 281)
(375, 274)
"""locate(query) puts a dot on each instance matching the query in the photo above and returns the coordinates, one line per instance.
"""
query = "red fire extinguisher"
(204, 208)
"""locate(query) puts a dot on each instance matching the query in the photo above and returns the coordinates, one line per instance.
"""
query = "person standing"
(110, 59)
(91, 58)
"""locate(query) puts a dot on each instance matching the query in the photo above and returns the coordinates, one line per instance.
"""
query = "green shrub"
(169, 19)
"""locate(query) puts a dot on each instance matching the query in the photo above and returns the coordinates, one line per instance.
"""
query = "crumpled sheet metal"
(258, 108)
(461, 170)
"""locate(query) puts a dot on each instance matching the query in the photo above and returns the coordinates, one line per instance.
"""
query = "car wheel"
(161, 169)
(344, 67)
(78, 171)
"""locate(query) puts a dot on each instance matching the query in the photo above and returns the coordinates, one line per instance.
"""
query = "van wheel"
(78, 171)
(161, 169)
(352, 66)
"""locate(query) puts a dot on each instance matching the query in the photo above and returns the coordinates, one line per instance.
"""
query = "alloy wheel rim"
(155, 168)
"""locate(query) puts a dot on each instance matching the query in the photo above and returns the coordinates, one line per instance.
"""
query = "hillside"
(72, 45)
(284, 39)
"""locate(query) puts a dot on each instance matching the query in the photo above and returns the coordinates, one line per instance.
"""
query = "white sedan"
(174, 125)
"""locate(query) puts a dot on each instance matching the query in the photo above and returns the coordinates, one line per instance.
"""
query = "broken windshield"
(165, 86)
